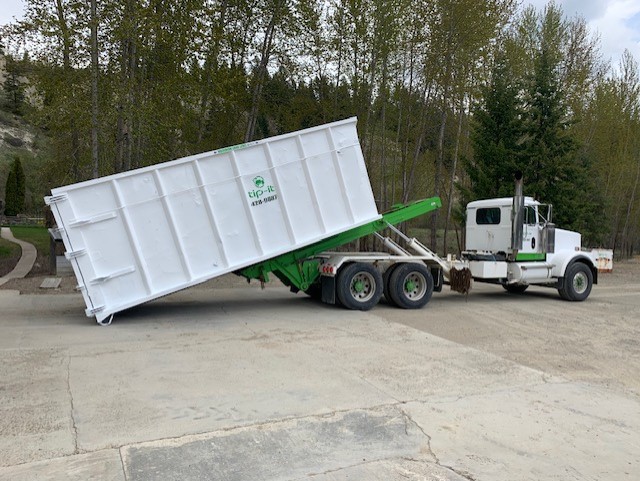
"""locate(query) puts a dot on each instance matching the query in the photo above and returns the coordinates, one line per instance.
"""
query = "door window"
(530, 215)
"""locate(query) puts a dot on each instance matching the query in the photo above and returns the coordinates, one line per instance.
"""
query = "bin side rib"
(171, 221)
(286, 217)
(335, 157)
(312, 190)
(133, 238)
(210, 215)
(245, 204)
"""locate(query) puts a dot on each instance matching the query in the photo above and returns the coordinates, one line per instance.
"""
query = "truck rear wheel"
(411, 285)
(359, 286)
(385, 280)
(578, 280)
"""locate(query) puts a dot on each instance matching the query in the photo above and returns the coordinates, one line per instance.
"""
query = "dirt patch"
(31, 285)
(40, 267)
(7, 264)
(624, 273)
(9, 256)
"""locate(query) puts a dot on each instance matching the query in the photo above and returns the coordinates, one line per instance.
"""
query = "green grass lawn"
(36, 235)
(8, 249)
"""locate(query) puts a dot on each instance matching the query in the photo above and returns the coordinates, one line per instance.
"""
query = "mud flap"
(328, 289)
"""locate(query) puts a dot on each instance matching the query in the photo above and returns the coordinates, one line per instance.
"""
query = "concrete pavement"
(27, 259)
(246, 384)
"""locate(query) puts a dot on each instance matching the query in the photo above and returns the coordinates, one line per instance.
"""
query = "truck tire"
(515, 288)
(578, 280)
(359, 286)
(385, 281)
(411, 285)
(564, 295)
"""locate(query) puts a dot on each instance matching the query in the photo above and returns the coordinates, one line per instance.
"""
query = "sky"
(617, 22)
(10, 9)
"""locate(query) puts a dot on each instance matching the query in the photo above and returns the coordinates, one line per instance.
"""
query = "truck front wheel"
(578, 280)
(359, 286)
(410, 285)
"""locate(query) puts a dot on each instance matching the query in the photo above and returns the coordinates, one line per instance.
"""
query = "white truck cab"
(512, 241)
(489, 227)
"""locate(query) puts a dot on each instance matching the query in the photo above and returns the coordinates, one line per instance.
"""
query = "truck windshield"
(545, 219)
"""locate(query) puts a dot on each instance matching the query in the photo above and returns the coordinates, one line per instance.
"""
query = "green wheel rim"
(415, 286)
(580, 283)
(363, 286)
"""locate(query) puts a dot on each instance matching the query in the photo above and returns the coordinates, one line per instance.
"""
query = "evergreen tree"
(15, 189)
(20, 183)
(550, 149)
(554, 170)
(495, 136)
(14, 96)
(11, 195)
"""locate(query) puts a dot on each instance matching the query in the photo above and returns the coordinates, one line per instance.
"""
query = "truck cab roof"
(499, 202)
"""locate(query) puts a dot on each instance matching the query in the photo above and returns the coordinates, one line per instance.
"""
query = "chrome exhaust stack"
(517, 216)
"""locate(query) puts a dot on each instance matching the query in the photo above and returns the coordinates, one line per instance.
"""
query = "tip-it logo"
(261, 188)
(258, 182)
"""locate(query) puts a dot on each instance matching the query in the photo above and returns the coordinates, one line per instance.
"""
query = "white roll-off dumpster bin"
(139, 235)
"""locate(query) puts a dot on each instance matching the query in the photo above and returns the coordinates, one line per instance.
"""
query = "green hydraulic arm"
(296, 268)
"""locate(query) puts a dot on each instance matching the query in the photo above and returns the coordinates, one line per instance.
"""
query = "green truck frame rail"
(299, 271)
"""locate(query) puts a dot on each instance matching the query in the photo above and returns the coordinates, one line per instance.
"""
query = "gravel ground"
(596, 341)
(245, 384)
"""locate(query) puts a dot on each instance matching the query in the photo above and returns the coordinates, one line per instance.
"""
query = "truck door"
(531, 243)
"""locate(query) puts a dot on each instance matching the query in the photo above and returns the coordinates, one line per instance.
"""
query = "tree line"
(452, 96)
